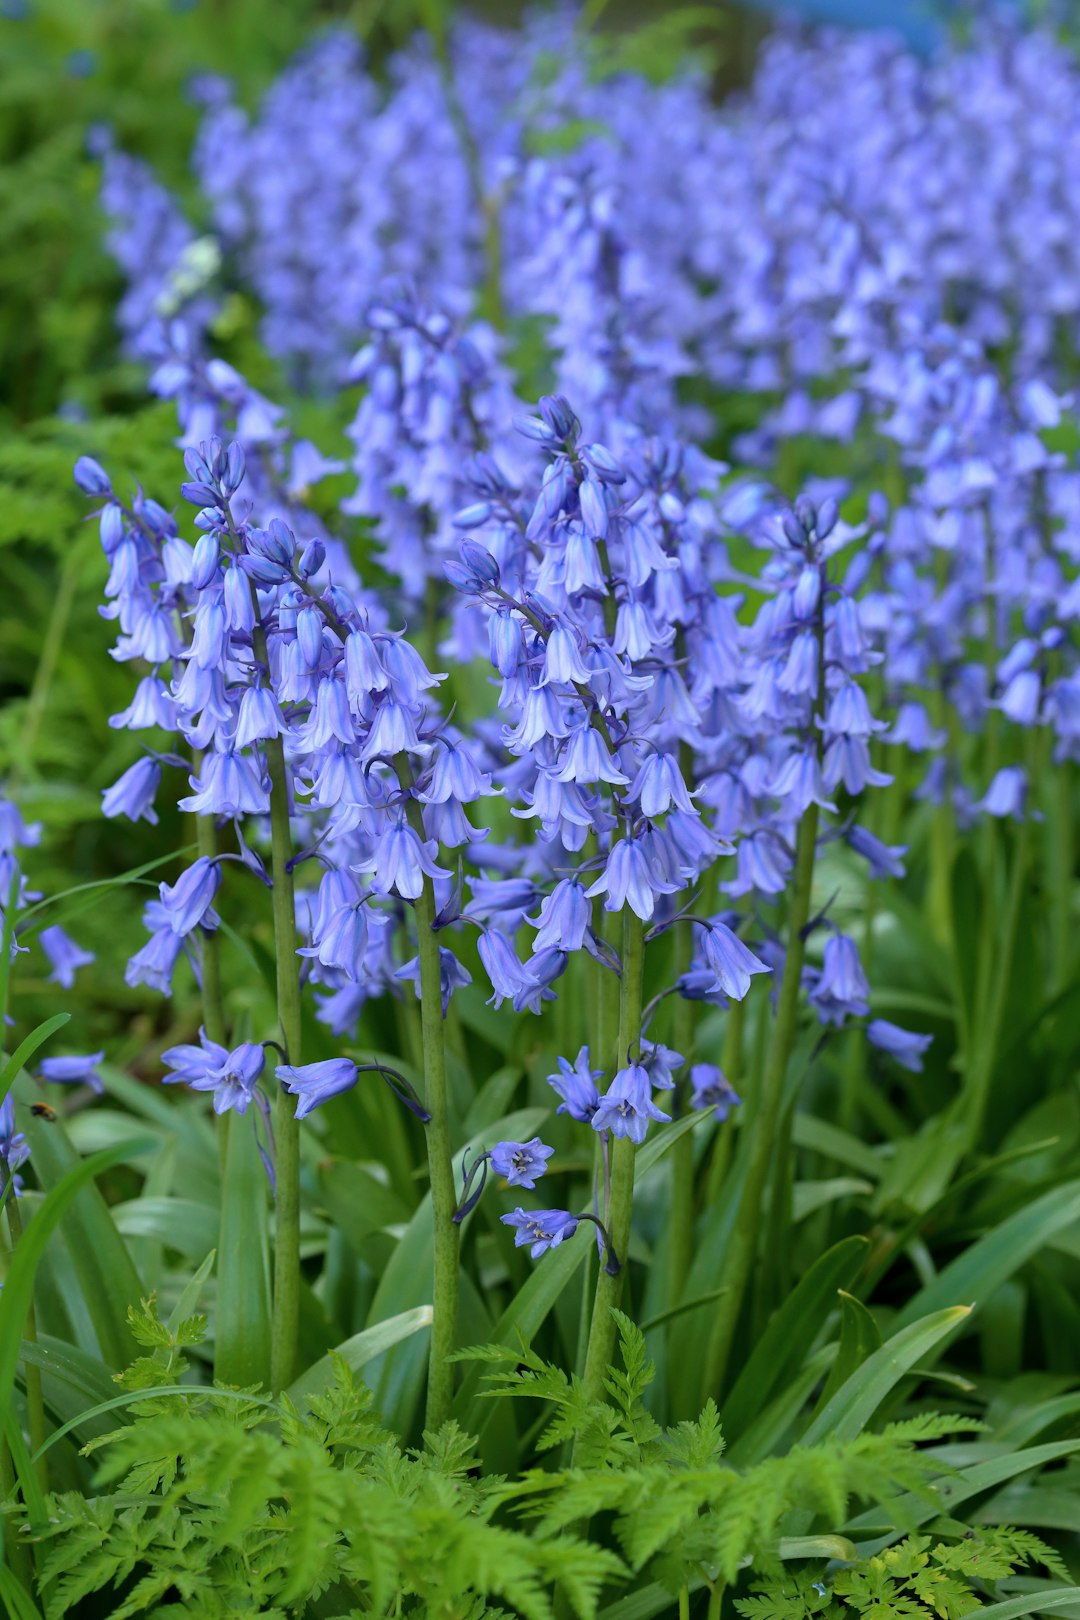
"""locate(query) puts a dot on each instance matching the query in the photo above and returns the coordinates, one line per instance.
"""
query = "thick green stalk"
(440, 1168)
(681, 1215)
(445, 1231)
(608, 1288)
(763, 1124)
(212, 1002)
(286, 1301)
(1061, 871)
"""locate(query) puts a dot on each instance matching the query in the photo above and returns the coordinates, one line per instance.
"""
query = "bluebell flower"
(660, 1063)
(452, 975)
(626, 880)
(627, 1106)
(565, 916)
(228, 784)
(14, 1148)
(91, 477)
(1007, 794)
(154, 963)
(74, 1070)
(884, 860)
(543, 1229)
(840, 991)
(316, 1083)
(542, 969)
(231, 1075)
(658, 785)
(522, 1163)
(151, 706)
(730, 964)
(65, 957)
(503, 966)
(133, 794)
(710, 1089)
(901, 1044)
(575, 1083)
(188, 902)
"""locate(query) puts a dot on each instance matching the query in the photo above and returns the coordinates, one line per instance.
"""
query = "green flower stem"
(681, 1215)
(212, 1003)
(446, 1233)
(1061, 868)
(608, 1288)
(440, 1168)
(286, 1301)
(764, 1123)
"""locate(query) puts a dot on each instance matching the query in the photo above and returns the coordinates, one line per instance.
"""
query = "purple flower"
(626, 880)
(840, 989)
(231, 1076)
(64, 955)
(401, 862)
(452, 975)
(564, 918)
(730, 964)
(154, 963)
(710, 1089)
(91, 477)
(542, 1228)
(660, 1062)
(132, 795)
(187, 904)
(509, 977)
(1007, 793)
(522, 1163)
(74, 1070)
(627, 1106)
(14, 1149)
(901, 1044)
(316, 1083)
(576, 1085)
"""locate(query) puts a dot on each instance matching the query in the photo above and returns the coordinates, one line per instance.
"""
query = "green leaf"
(817, 1547)
(521, 1321)
(810, 1196)
(359, 1350)
(242, 1318)
(860, 1336)
(188, 1301)
(854, 1404)
(17, 1600)
(791, 1333)
(26, 1049)
(980, 1269)
(951, 1490)
(358, 1202)
(646, 1603)
(19, 1285)
(818, 1136)
(71, 1380)
(1031, 1603)
(179, 1223)
(104, 1269)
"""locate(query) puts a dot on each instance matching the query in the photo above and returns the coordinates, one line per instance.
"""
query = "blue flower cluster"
(687, 674)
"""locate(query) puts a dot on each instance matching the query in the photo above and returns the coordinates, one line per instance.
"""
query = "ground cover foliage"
(579, 812)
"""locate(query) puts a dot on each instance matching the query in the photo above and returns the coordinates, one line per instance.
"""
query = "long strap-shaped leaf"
(856, 1401)
(19, 1286)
